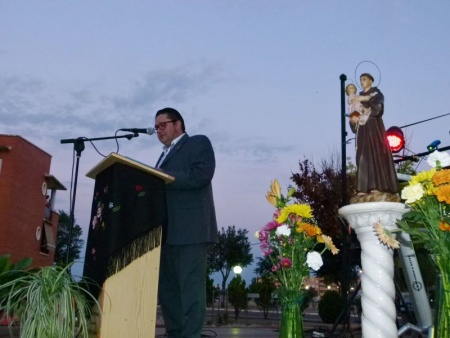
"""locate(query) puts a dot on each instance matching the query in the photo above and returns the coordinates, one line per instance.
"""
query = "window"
(47, 238)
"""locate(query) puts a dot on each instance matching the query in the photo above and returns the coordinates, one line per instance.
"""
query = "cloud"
(32, 107)
(174, 85)
(252, 149)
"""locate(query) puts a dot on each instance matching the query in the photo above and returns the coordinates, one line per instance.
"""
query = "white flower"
(257, 235)
(442, 157)
(314, 260)
(283, 230)
(412, 193)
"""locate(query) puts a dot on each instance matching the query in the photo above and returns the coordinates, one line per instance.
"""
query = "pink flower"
(272, 225)
(275, 268)
(267, 252)
(286, 263)
(263, 236)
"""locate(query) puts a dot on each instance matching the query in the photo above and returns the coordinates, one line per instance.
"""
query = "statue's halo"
(367, 67)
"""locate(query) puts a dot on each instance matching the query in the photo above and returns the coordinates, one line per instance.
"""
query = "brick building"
(28, 223)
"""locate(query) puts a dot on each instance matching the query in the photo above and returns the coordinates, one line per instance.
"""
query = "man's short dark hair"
(172, 114)
(367, 75)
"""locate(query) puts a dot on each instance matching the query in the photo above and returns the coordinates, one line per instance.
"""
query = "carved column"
(377, 279)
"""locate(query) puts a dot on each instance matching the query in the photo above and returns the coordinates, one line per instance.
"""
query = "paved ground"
(258, 332)
(250, 324)
(241, 331)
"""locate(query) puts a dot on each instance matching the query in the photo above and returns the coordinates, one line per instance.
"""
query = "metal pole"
(78, 148)
(343, 78)
(347, 241)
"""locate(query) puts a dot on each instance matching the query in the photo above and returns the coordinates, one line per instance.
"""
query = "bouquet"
(428, 222)
(428, 196)
(290, 240)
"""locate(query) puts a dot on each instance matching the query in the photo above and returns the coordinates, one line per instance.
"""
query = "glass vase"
(442, 318)
(291, 322)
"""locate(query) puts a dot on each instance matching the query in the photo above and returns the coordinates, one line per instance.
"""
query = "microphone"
(149, 131)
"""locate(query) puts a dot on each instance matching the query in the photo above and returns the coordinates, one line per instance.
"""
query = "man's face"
(365, 82)
(168, 130)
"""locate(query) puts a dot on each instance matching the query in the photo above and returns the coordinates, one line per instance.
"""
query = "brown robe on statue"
(374, 162)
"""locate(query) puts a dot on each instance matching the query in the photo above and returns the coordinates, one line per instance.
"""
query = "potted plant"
(48, 302)
(10, 272)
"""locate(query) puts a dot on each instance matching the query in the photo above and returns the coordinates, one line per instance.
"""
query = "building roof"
(53, 183)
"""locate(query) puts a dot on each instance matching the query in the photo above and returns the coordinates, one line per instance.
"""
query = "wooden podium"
(124, 244)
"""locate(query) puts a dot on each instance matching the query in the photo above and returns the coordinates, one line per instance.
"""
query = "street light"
(237, 270)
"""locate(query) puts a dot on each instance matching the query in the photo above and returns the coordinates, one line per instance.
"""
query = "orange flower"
(271, 199)
(310, 229)
(441, 177)
(443, 193)
(329, 243)
(444, 226)
(274, 193)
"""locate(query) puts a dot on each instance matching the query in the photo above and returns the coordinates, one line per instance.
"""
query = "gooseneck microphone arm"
(78, 146)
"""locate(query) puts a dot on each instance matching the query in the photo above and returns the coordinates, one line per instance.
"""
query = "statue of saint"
(375, 166)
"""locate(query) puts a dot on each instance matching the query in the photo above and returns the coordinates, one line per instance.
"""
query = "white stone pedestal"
(377, 279)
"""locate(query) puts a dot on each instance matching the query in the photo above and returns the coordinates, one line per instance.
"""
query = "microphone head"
(149, 131)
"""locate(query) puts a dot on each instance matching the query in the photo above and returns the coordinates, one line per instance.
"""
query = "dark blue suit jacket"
(190, 204)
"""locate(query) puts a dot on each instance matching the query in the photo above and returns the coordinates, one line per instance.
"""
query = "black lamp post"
(343, 78)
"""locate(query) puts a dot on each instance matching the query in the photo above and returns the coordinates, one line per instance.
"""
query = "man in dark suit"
(191, 225)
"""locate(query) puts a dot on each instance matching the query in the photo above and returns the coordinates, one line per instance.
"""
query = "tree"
(63, 239)
(264, 286)
(322, 189)
(209, 290)
(264, 267)
(232, 248)
(237, 295)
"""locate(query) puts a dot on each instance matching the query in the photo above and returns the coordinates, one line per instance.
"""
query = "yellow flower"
(443, 193)
(441, 177)
(330, 245)
(424, 176)
(302, 210)
(430, 189)
(385, 236)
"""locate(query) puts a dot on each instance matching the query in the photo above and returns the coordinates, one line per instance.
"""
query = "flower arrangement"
(290, 240)
(428, 222)
(428, 196)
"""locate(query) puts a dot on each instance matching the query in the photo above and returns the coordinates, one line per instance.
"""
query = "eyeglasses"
(162, 125)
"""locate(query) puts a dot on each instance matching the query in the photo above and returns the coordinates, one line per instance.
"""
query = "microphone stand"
(78, 146)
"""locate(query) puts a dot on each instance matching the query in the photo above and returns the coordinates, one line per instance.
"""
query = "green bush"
(330, 305)
(237, 295)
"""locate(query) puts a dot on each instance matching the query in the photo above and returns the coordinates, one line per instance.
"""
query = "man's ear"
(178, 126)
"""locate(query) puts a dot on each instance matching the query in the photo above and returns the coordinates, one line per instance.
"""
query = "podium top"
(116, 158)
